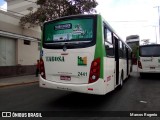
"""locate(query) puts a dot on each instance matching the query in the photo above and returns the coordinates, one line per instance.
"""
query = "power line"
(131, 21)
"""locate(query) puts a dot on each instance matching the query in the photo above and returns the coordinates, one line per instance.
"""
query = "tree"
(51, 9)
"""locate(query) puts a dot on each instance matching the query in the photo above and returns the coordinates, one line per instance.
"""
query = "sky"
(3, 5)
(132, 17)
(128, 17)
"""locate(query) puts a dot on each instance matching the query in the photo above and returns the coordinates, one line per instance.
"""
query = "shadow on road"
(151, 76)
(80, 101)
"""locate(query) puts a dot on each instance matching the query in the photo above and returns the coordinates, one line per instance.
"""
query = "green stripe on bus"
(100, 51)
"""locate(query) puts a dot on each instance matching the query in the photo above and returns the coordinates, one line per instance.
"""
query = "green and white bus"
(82, 53)
(149, 59)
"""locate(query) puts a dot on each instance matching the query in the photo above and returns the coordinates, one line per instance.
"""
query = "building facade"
(19, 47)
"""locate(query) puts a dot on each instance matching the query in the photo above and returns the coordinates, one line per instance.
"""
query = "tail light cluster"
(94, 71)
(42, 70)
(139, 64)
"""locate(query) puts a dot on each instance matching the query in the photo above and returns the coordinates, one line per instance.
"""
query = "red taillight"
(94, 71)
(42, 70)
(139, 64)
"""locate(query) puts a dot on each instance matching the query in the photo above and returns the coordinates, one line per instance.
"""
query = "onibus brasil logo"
(82, 61)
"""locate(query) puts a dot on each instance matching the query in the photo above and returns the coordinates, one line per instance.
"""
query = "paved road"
(136, 95)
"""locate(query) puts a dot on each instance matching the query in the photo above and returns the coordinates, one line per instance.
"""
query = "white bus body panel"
(109, 74)
(97, 87)
(150, 65)
(77, 83)
(122, 67)
(68, 65)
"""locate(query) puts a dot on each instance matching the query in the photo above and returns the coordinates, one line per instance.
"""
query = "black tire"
(121, 83)
(141, 75)
(131, 69)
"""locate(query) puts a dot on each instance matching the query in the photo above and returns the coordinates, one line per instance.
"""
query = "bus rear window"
(68, 30)
(147, 51)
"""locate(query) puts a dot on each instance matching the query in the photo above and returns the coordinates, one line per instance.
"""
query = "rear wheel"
(121, 81)
(141, 75)
(131, 69)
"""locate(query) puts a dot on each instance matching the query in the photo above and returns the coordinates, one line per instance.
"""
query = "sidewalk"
(19, 80)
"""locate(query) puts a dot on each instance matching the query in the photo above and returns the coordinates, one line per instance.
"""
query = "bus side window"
(127, 51)
(108, 42)
(120, 49)
(129, 55)
(124, 51)
(105, 33)
(109, 36)
(109, 49)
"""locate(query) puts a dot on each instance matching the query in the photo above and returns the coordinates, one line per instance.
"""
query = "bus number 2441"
(82, 73)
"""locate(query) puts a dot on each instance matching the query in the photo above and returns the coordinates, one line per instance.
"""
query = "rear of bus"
(149, 59)
(69, 59)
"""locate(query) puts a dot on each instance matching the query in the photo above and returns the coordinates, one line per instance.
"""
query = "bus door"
(116, 47)
(127, 60)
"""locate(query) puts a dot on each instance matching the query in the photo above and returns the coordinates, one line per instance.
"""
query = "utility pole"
(158, 19)
(155, 32)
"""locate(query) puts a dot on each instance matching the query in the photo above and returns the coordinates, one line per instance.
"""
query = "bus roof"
(149, 45)
(132, 37)
(78, 15)
(132, 40)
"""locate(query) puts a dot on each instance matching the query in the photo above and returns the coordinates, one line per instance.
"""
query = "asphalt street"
(136, 95)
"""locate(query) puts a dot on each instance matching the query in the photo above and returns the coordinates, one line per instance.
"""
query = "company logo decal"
(63, 26)
(64, 48)
(55, 59)
(82, 61)
(108, 78)
(78, 30)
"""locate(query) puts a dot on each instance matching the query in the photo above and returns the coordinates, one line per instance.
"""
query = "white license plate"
(152, 67)
(68, 78)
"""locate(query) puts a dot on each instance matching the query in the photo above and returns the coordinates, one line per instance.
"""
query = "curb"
(16, 84)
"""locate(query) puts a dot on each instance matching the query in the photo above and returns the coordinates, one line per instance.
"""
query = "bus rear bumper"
(92, 88)
(148, 71)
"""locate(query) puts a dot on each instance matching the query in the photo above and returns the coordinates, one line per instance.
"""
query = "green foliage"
(52, 9)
